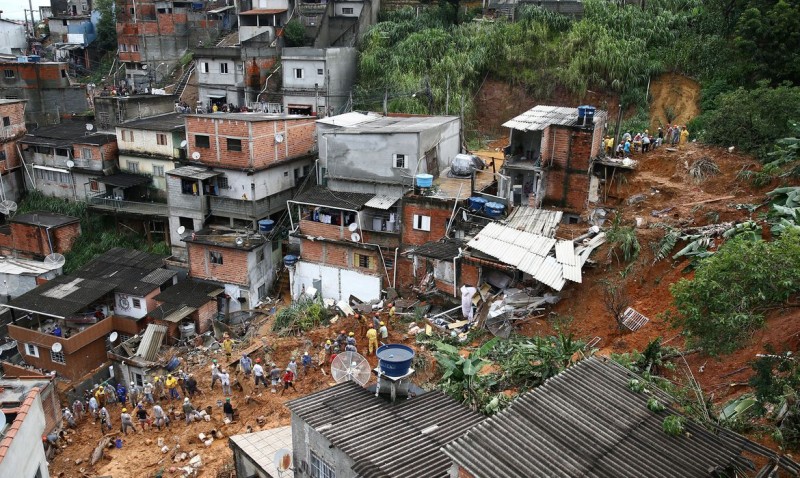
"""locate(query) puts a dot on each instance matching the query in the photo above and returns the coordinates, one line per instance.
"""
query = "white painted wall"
(131, 310)
(337, 283)
(268, 182)
(12, 37)
(25, 455)
(340, 6)
(310, 71)
(146, 167)
(145, 141)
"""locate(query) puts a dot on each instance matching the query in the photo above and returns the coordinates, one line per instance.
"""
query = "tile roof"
(587, 422)
(320, 196)
(13, 428)
(401, 439)
(261, 447)
(438, 250)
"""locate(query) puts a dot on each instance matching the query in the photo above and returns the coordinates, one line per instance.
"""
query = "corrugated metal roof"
(159, 276)
(352, 118)
(151, 342)
(24, 267)
(193, 172)
(572, 273)
(437, 250)
(179, 314)
(565, 253)
(587, 422)
(551, 273)
(320, 196)
(534, 220)
(540, 117)
(384, 439)
(382, 202)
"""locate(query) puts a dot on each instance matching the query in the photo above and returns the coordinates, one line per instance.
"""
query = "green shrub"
(294, 33)
(725, 301)
(673, 425)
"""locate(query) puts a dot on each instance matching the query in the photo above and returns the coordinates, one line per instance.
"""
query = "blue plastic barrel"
(173, 363)
(266, 225)
(424, 180)
(289, 260)
(394, 360)
(118, 443)
(476, 203)
(494, 209)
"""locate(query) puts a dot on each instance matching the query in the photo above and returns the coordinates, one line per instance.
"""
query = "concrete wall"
(337, 283)
(328, 76)
(113, 110)
(146, 167)
(267, 182)
(12, 38)
(306, 440)
(145, 142)
(215, 83)
(25, 454)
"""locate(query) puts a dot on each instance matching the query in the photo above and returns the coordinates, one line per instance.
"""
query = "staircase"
(184, 80)
(281, 286)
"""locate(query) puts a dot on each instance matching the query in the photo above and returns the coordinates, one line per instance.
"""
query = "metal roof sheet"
(124, 180)
(540, 117)
(159, 276)
(320, 196)
(193, 172)
(381, 201)
(565, 253)
(437, 250)
(551, 273)
(151, 342)
(572, 273)
(534, 220)
(261, 447)
(587, 422)
(179, 314)
(414, 429)
(24, 267)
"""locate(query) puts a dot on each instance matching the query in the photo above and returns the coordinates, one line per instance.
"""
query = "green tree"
(106, 26)
(731, 290)
(294, 33)
(767, 33)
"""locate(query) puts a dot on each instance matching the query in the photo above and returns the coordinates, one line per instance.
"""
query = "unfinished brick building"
(549, 157)
(12, 114)
(46, 86)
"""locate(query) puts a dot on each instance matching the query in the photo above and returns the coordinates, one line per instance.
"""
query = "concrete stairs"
(187, 75)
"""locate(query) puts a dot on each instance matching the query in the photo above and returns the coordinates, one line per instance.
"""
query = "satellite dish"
(70, 163)
(239, 241)
(282, 460)
(350, 367)
(54, 260)
(57, 347)
(279, 138)
(7, 206)
(113, 337)
(183, 143)
(144, 67)
(89, 126)
(353, 227)
(355, 237)
(196, 155)
(181, 230)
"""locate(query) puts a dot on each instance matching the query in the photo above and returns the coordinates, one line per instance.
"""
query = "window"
(239, 67)
(63, 73)
(2, 156)
(204, 67)
(422, 223)
(320, 469)
(320, 71)
(443, 270)
(161, 139)
(132, 10)
(64, 23)
(347, 11)
(276, 246)
(306, 170)
(222, 182)
(58, 357)
(9, 74)
(123, 47)
(399, 161)
(31, 350)
(234, 144)
(6, 121)
(158, 171)
(298, 73)
(127, 135)
(360, 260)
(223, 68)
(86, 153)
(137, 303)
(201, 141)
(134, 47)
(94, 185)
(262, 291)
(215, 257)
(62, 152)
(133, 166)
(260, 255)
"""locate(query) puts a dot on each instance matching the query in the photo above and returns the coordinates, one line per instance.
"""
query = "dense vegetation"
(97, 231)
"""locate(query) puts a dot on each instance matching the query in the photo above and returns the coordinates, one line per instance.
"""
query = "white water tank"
(187, 329)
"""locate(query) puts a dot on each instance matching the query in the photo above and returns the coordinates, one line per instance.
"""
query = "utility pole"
(33, 25)
(386, 102)
(429, 94)
(619, 125)
(447, 97)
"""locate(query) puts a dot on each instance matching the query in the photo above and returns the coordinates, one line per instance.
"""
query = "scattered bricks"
(165, 449)
(148, 442)
(202, 436)
(79, 461)
(208, 442)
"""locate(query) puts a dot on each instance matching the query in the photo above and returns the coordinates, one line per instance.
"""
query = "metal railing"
(108, 203)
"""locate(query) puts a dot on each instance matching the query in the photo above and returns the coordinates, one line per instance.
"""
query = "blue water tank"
(586, 114)
(394, 360)
(476, 203)
(266, 225)
(290, 260)
(424, 180)
(494, 209)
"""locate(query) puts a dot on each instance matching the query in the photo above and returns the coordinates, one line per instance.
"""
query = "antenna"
(350, 367)
(70, 164)
(239, 241)
(112, 337)
(355, 237)
(196, 155)
(181, 230)
(8, 207)
(282, 460)
(353, 227)
(57, 347)
(89, 127)
(279, 138)
(183, 143)
(54, 260)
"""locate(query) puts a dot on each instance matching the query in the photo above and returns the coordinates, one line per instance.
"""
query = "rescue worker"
(148, 392)
(275, 377)
(172, 387)
(158, 388)
(228, 409)
(288, 380)
(69, 417)
(341, 339)
(306, 363)
(372, 337)
(77, 409)
(93, 407)
(246, 365)
(376, 320)
(189, 412)
(225, 379)
(141, 415)
(135, 394)
(292, 366)
(191, 385)
(100, 395)
(159, 417)
(214, 373)
(383, 331)
(105, 420)
(258, 374)
(122, 393)
(227, 346)
(126, 421)
(351, 339)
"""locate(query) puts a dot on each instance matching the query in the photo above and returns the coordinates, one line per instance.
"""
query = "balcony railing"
(107, 203)
(250, 210)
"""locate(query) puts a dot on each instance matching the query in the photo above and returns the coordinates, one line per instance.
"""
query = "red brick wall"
(318, 229)
(6, 239)
(204, 316)
(438, 210)
(233, 269)
(8, 144)
(65, 236)
(342, 256)
(33, 239)
(568, 175)
(258, 141)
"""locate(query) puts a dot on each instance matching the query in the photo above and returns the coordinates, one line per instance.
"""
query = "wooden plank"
(708, 201)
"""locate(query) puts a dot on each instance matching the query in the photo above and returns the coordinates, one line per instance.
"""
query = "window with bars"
(222, 182)
(400, 161)
(9, 74)
(158, 171)
(137, 303)
(161, 139)
(31, 350)
(320, 469)
(364, 261)
(58, 357)
(215, 257)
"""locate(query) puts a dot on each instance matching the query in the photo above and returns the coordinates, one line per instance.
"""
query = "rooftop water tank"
(266, 225)
(394, 359)
(290, 260)
(476, 203)
(494, 209)
(424, 180)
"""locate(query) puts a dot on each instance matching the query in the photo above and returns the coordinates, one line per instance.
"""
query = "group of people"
(277, 375)
(644, 141)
